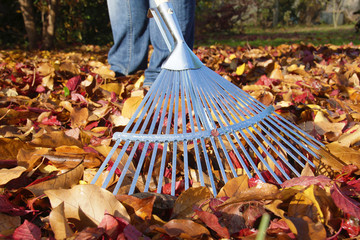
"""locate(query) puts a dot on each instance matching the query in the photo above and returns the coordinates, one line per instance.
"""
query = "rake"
(193, 126)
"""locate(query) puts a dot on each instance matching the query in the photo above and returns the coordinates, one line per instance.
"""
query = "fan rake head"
(194, 126)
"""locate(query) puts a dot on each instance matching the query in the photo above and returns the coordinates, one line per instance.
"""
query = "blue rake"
(195, 126)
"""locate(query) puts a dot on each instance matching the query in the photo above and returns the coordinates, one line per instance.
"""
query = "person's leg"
(185, 13)
(129, 24)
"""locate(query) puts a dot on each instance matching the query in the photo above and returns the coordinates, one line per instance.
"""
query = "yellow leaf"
(234, 186)
(117, 88)
(48, 169)
(130, 106)
(240, 69)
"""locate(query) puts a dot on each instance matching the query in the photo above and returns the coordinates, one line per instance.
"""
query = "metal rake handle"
(181, 57)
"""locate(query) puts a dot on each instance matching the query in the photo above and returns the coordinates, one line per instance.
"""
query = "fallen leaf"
(79, 117)
(64, 181)
(234, 186)
(91, 199)
(56, 139)
(59, 224)
(212, 222)
(28, 231)
(7, 175)
(345, 154)
(142, 207)
(188, 199)
(345, 203)
(130, 106)
(8, 224)
(183, 228)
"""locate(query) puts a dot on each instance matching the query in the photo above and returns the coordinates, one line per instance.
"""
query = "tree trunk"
(276, 14)
(48, 16)
(29, 22)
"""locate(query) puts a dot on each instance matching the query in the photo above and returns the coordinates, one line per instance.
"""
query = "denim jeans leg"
(185, 13)
(129, 24)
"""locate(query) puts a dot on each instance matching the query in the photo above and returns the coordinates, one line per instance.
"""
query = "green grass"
(254, 36)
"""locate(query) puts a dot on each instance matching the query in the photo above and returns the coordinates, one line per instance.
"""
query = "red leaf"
(212, 222)
(112, 226)
(345, 203)
(131, 233)
(73, 83)
(40, 89)
(52, 121)
(179, 188)
(305, 181)
(264, 80)
(27, 231)
(352, 228)
(8, 207)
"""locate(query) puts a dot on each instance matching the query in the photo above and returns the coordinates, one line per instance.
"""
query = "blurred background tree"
(47, 23)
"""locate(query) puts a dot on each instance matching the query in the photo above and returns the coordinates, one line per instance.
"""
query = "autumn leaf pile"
(59, 109)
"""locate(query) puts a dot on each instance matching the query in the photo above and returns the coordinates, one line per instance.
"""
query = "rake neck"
(181, 57)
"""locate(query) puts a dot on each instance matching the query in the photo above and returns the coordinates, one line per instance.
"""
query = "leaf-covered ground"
(58, 111)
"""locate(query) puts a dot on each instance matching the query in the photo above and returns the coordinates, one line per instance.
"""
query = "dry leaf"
(183, 229)
(7, 175)
(130, 106)
(70, 156)
(59, 223)
(56, 139)
(8, 224)
(345, 154)
(29, 157)
(91, 199)
(234, 186)
(65, 180)
(262, 191)
(117, 88)
(188, 199)
(142, 207)
(79, 117)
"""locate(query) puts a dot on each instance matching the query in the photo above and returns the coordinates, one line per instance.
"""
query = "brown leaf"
(345, 154)
(92, 200)
(65, 180)
(29, 157)
(56, 139)
(142, 207)
(7, 175)
(308, 230)
(9, 148)
(188, 199)
(70, 156)
(261, 192)
(183, 228)
(79, 117)
(234, 186)
(8, 224)
(59, 224)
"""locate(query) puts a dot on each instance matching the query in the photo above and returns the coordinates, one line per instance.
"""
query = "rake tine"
(176, 115)
(183, 121)
(225, 109)
(190, 100)
(162, 168)
(106, 161)
(147, 119)
(143, 154)
(161, 123)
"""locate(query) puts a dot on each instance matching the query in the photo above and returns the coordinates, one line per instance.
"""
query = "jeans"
(133, 32)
